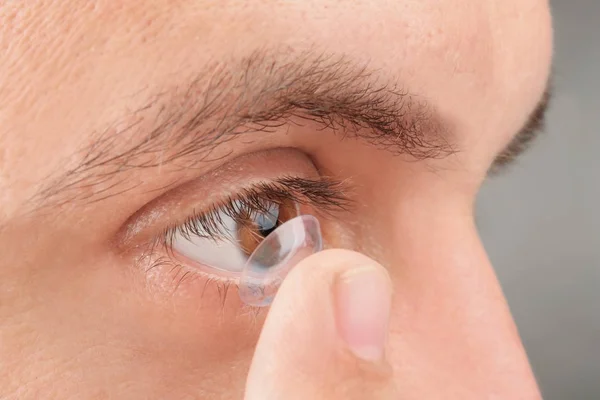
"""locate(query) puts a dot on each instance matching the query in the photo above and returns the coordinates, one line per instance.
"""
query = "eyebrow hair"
(260, 93)
(523, 140)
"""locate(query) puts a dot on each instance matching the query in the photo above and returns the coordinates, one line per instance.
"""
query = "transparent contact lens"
(276, 255)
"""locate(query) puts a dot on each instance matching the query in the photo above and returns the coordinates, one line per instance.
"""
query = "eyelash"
(326, 196)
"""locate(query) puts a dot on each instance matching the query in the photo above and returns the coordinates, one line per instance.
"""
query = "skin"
(79, 319)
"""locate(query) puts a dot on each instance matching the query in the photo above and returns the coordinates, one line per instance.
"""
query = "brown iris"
(254, 227)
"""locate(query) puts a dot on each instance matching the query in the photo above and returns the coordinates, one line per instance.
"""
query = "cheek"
(103, 329)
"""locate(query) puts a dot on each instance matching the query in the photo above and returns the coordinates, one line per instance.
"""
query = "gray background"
(540, 221)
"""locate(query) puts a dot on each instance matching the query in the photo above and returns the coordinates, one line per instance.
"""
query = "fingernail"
(363, 297)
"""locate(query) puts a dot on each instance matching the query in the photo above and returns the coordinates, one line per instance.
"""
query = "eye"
(226, 232)
(225, 237)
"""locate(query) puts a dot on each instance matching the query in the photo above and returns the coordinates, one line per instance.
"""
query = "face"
(146, 148)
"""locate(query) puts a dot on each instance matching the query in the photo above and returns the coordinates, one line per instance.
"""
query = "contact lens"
(275, 256)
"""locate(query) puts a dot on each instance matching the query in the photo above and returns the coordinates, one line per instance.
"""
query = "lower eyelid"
(167, 276)
(178, 275)
(176, 272)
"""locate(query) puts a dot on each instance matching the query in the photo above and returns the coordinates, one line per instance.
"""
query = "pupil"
(268, 221)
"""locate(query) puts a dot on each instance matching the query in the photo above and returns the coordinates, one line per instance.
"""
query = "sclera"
(276, 255)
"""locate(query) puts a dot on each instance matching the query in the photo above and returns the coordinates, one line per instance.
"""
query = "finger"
(325, 335)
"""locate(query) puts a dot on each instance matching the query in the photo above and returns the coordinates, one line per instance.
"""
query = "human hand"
(325, 335)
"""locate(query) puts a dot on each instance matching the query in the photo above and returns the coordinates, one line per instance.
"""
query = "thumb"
(325, 334)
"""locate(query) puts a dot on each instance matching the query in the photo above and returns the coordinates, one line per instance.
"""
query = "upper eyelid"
(326, 193)
(213, 186)
(208, 220)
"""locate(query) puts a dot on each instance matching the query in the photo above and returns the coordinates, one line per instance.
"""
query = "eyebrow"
(523, 140)
(261, 93)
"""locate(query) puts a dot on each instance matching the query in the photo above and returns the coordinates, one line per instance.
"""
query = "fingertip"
(328, 323)
(354, 289)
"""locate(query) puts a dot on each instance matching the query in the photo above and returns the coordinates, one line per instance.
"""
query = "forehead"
(62, 42)
(53, 42)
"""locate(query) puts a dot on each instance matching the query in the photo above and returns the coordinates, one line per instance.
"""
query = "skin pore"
(122, 119)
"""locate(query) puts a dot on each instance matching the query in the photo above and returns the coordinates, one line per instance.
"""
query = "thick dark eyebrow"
(525, 137)
(261, 93)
